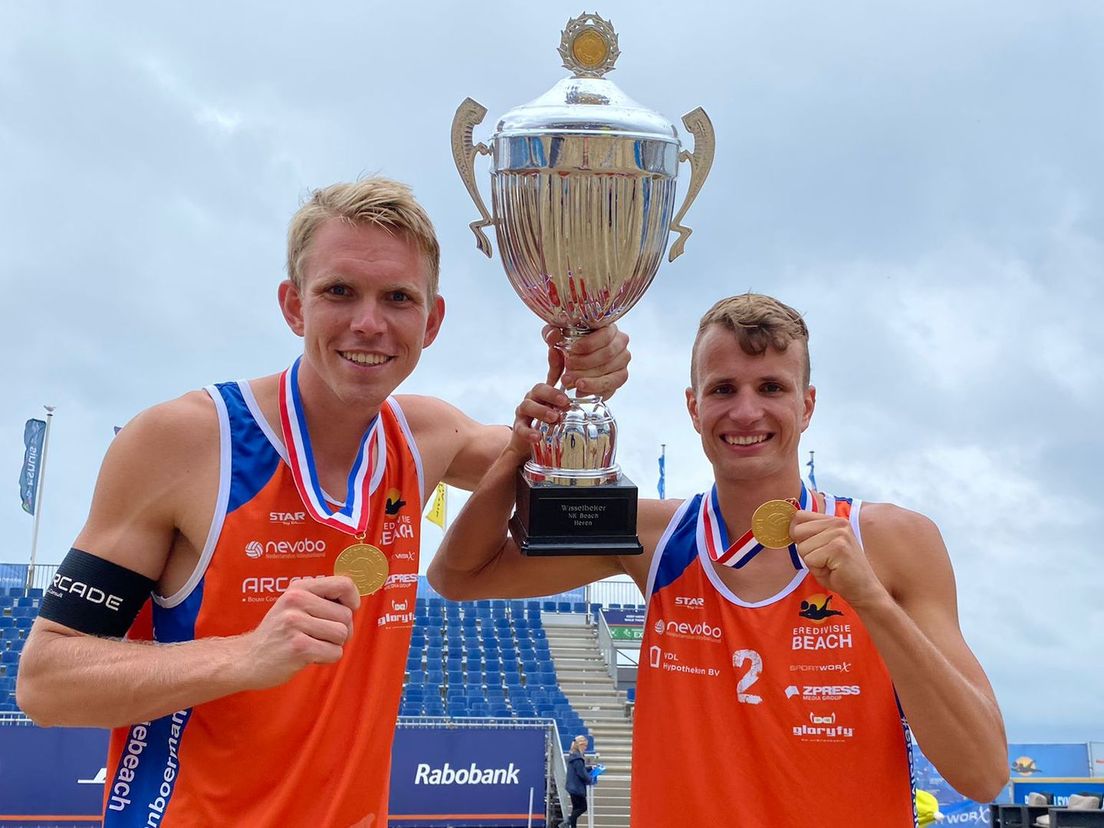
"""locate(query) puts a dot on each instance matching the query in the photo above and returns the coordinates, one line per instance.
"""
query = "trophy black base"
(554, 519)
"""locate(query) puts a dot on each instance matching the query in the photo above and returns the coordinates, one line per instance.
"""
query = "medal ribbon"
(352, 518)
(739, 554)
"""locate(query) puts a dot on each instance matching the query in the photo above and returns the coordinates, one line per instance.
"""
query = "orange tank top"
(315, 751)
(777, 713)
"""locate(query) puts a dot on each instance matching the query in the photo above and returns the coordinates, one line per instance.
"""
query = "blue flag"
(33, 435)
(812, 471)
(662, 486)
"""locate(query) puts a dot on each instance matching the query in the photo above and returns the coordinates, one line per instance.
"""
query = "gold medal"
(771, 523)
(365, 565)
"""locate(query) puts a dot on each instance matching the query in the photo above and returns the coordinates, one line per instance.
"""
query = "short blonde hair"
(375, 201)
(758, 322)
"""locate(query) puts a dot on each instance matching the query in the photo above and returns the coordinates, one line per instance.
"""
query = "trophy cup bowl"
(582, 194)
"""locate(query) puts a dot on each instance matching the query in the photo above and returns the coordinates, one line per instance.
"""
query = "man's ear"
(291, 305)
(433, 323)
(692, 407)
(810, 404)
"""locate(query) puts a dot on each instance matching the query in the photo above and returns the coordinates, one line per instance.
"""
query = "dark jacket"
(578, 774)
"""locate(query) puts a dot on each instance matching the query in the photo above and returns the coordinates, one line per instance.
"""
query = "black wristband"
(94, 596)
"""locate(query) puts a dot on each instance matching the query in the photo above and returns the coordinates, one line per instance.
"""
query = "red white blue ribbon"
(739, 554)
(365, 475)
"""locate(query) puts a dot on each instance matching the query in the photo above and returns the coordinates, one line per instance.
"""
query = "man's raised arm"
(478, 558)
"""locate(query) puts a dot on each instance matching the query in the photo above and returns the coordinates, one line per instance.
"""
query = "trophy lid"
(586, 102)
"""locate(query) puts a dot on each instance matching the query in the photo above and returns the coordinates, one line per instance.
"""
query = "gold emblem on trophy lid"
(365, 565)
(771, 523)
(588, 46)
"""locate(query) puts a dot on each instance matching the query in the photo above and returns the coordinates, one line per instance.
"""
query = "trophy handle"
(701, 159)
(468, 115)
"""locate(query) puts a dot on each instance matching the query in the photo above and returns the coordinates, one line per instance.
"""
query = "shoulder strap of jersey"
(677, 548)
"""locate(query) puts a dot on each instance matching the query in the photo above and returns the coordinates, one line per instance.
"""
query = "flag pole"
(41, 488)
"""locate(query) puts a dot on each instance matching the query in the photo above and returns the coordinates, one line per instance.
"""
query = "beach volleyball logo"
(254, 549)
(816, 608)
(1025, 766)
(394, 502)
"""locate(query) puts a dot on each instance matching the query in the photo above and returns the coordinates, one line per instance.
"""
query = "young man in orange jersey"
(781, 668)
(259, 688)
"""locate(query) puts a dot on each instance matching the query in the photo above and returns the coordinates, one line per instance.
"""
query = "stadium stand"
(486, 658)
(18, 609)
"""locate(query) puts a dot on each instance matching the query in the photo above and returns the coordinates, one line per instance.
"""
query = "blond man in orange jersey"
(793, 675)
(256, 687)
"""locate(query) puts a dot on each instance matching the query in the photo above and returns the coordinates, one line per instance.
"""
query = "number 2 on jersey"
(750, 677)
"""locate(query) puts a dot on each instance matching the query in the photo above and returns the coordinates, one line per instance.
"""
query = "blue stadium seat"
(548, 606)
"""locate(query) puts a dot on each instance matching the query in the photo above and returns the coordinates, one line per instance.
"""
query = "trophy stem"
(570, 337)
(579, 450)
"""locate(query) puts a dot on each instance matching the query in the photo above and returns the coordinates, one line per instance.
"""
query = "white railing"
(619, 590)
(622, 657)
(558, 766)
(606, 646)
(16, 575)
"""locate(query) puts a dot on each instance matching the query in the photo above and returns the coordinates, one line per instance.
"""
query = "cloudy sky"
(923, 181)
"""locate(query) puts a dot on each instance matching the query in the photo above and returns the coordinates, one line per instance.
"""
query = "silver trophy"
(583, 196)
